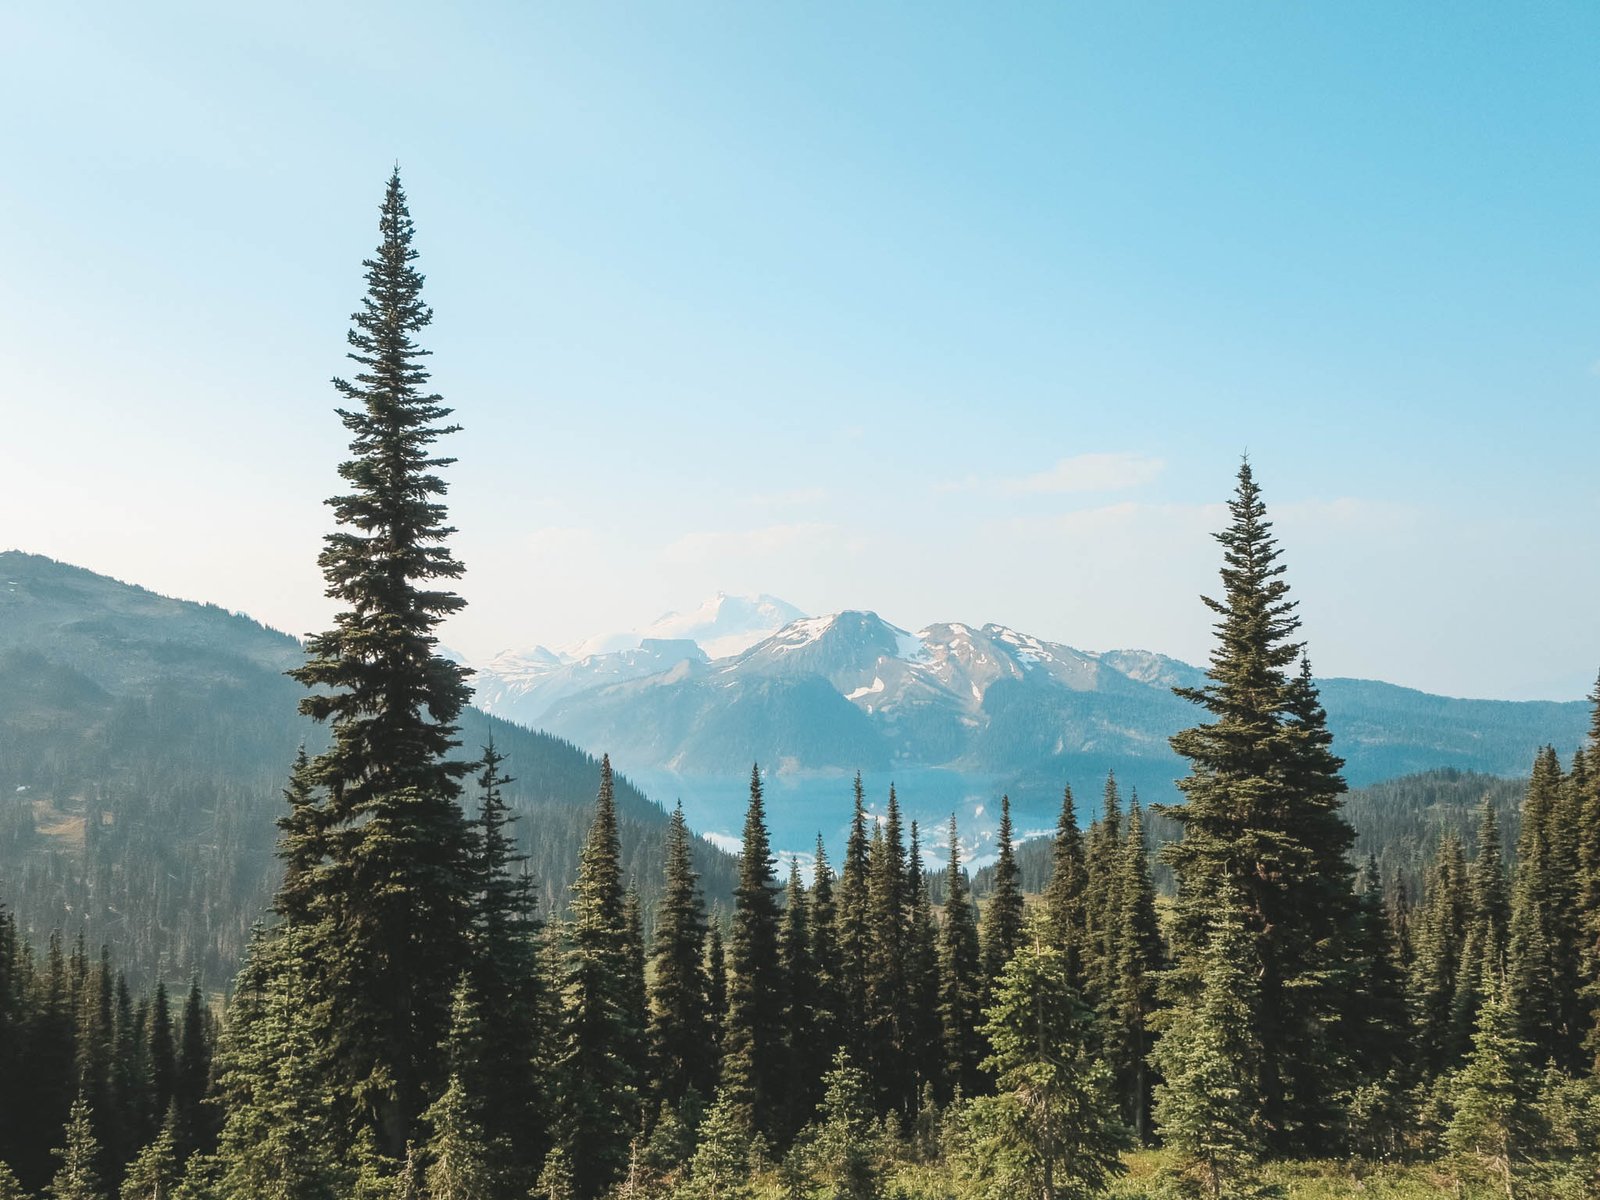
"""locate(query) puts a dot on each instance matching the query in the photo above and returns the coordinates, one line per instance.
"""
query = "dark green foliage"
(1495, 1121)
(1438, 936)
(1483, 954)
(1260, 817)
(920, 1002)
(716, 970)
(506, 981)
(842, 1142)
(1102, 858)
(855, 934)
(828, 999)
(960, 979)
(1136, 956)
(389, 902)
(1002, 919)
(681, 1028)
(1208, 1107)
(1543, 958)
(284, 1133)
(888, 1064)
(799, 1006)
(1064, 898)
(1053, 1129)
(1378, 1020)
(752, 1045)
(598, 1098)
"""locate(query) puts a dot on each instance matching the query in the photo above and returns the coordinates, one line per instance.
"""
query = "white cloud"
(1091, 473)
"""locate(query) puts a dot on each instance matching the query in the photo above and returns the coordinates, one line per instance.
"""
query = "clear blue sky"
(955, 312)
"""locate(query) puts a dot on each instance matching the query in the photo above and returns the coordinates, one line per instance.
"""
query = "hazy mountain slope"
(143, 743)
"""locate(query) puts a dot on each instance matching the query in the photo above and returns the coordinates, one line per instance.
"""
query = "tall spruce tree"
(921, 1005)
(1542, 954)
(394, 885)
(1102, 859)
(597, 1091)
(1261, 817)
(1483, 955)
(1439, 935)
(681, 1039)
(805, 1061)
(1378, 1021)
(753, 1060)
(506, 981)
(960, 978)
(855, 932)
(1064, 899)
(78, 1177)
(1002, 919)
(1136, 964)
(888, 1065)
(827, 1017)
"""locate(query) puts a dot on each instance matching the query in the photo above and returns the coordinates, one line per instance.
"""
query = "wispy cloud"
(1104, 472)
(1091, 473)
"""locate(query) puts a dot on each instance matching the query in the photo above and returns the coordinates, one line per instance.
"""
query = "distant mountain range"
(851, 691)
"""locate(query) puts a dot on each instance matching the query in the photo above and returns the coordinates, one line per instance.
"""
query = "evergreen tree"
(716, 969)
(1261, 818)
(1053, 1130)
(960, 978)
(1542, 955)
(681, 1036)
(855, 933)
(302, 842)
(10, 1185)
(1378, 1020)
(1439, 936)
(394, 887)
(1136, 961)
(923, 1030)
(720, 1169)
(799, 1004)
(1002, 920)
(827, 1015)
(284, 1135)
(163, 1052)
(193, 1077)
(505, 978)
(1495, 1123)
(888, 1065)
(154, 1174)
(1064, 899)
(1102, 859)
(1483, 954)
(752, 1064)
(463, 1160)
(598, 1096)
(1206, 1107)
(844, 1138)
(78, 1177)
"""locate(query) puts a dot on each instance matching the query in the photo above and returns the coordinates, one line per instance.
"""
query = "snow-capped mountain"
(851, 690)
(521, 685)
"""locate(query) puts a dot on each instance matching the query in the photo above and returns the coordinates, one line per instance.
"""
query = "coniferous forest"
(1256, 1002)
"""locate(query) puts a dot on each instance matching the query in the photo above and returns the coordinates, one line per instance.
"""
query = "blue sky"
(956, 312)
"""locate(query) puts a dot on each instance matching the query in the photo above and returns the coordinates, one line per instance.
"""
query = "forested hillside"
(144, 746)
